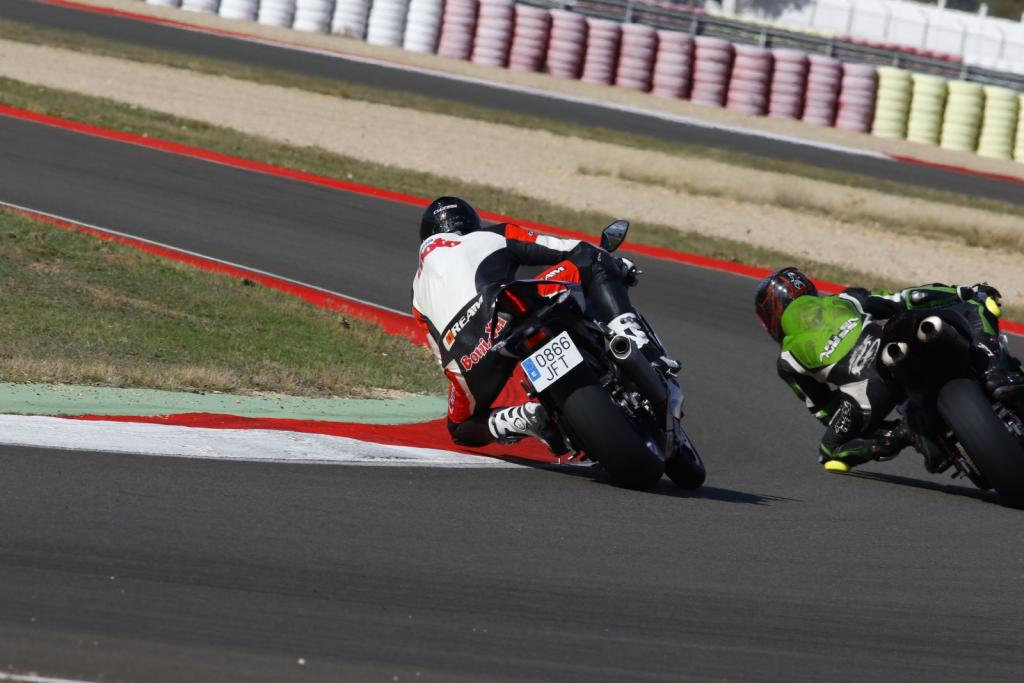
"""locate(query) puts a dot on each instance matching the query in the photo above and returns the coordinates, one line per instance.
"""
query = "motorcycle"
(952, 420)
(606, 399)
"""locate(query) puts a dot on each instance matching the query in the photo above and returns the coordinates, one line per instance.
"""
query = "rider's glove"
(628, 271)
(988, 290)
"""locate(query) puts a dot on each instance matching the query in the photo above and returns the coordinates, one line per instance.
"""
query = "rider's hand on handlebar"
(988, 290)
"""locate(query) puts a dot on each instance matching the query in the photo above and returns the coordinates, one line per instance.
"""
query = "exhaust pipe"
(929, 329)
(894, 353)
(639, 370)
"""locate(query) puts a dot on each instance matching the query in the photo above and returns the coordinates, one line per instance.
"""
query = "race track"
(119, 567)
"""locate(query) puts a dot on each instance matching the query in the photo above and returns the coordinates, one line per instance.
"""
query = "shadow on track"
(925, 485)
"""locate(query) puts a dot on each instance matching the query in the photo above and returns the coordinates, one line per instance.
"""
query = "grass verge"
(87, 311)
(83, 42)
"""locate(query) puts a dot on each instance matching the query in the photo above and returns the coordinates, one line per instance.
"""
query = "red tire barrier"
(458, 26)
(636, 57)
(567, 44)
(493, 37)
(602, 51)
(529, 39)
(712, 63)
(823, 77)
(750, 80)
(789, 84)
(857, 97)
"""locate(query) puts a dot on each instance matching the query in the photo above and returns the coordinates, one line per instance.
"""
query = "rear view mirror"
(614, 235)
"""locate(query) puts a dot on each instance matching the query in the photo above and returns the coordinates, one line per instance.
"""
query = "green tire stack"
(1019, 153)
(998, 123)
(926, 107)
(962, 121)
(892, 103)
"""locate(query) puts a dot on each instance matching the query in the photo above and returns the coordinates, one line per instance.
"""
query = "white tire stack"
(530, 40)
(672, 64)
(789, 84)
(927, 102)
(313, 15)
(386, 24)
(239, 9)
(712, 63)
(458, 25)
(350, 18)
(165, 3)
(750, 81)
(962, 120)
(636, 57)
(892, 103)
(423, 26)
(567, 44)
(999, 122)
(1018, 152)
(601, 56)
(494, 25)
(822, 96)
(276, 12)
(857, 97)
(208, 6)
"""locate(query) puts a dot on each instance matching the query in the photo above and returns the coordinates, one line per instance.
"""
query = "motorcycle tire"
(995, 452)
(685, 467)
(606, 434)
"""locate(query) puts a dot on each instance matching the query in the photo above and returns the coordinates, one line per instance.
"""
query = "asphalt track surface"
(119, 567)
(225, 48)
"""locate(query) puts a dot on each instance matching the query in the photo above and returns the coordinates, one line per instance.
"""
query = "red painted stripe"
(389, 321)
(958, 169)
(432, 434)
(686, 258)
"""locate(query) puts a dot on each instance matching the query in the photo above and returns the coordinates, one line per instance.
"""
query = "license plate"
(551, 362)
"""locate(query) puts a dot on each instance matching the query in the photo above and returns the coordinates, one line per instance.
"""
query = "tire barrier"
(927, 105)
(672, 64)
(386, 25)
(962, 119)
(712, 61)
(566, 44)
(350, 18)
(602, 51)
(784, 83)
(239, 9)
(998, 123)
(857, 93)
(789, 84)
(750, 81)
(423, 26)
(493, 32)
(530, 39)
(824, 75)
(313, 16)
(458, 26)
(636, 57)
(207, 6)
(892, 103)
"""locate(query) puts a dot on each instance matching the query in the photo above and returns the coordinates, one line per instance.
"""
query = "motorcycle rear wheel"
(995, 452)
(607, 435)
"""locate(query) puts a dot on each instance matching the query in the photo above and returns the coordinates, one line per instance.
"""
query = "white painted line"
(242, 445)
(31, 678)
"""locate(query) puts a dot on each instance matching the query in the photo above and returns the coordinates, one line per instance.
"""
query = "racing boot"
(509, 425)
(629, 325)
(883, 445)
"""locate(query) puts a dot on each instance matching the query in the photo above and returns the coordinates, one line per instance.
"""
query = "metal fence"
(680, 16)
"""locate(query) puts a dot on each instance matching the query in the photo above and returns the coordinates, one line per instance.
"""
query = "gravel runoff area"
(699, 195)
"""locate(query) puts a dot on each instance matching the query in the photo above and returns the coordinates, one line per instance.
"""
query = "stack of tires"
(313, 15)
(386, 25)
(789, 84)
(493, 32)
(208, 6)
(962, 121)
(824, 74)
(530, 39)
(458, 26)
(671, 77)
(602, 51)
(350, 18)
(857, 97)
(567, 43)
(892, 103)
(422, 26)
(636, 57)
(999, 122)
(165, 3)
(712, 62)
(927, 103)
(750, 80)
(239, 9)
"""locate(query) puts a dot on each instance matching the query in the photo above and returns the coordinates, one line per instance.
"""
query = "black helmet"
(776, 292)
(448, 214)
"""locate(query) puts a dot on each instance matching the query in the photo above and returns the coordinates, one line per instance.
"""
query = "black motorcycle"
(953, 421)
(607, 400)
